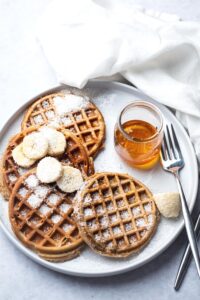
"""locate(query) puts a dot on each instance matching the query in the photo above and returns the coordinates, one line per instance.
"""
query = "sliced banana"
(71, 180)
(168, 204)
(35, 145)
(56, 140)
(49, 169)
(20, 158)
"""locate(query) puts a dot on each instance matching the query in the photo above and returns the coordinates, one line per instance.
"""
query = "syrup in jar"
(138, 142)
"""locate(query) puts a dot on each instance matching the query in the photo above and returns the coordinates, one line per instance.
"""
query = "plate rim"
(118, 270)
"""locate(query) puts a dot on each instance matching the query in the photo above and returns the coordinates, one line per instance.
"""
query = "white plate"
(111, 98)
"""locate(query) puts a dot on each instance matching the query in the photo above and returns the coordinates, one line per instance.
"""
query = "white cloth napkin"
(85, 39)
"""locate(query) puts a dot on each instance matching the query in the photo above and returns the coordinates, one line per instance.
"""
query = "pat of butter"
(168, 204)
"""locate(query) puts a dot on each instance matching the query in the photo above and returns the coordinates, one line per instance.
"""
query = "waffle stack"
(74, 155)
(41, 217)
(86, 122)
(114, 214)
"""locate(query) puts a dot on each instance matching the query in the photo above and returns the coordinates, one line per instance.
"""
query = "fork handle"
(185, 261)
(189, 225)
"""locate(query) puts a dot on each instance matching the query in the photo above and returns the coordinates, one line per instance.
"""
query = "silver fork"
(172, 161)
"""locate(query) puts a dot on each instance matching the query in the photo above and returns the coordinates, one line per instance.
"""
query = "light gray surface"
(24, 72)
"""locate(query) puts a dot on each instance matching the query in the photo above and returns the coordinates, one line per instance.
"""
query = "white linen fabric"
(158, 53)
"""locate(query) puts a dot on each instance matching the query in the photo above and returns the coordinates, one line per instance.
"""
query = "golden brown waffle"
(75, 155)
(115, 213)
(86, 123)
(41, 217)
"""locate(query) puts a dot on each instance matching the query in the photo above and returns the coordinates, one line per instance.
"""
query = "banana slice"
(71, 180)
(56, 140)
(35, 145)
(20, 158)
(49, 169)
(168, 204)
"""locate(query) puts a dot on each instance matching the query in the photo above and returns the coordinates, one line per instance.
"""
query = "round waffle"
(115, 213)
(86, 123)
(41, 217)
(74, 155)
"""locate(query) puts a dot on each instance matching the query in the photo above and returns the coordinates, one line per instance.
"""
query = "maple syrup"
(138, 143)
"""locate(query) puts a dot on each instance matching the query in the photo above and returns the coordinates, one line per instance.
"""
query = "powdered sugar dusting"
(140, 222)
(65, 121)
(67, 226)
(147, 207)
(136, 211)
(124, 214)
(44, 209)
(64, 207)
(38, 119)
(116, 230)
(88, 212)
(53, 198)
(56, 218)
(41, 191)
(34, 201)
(12, 177)
(32, 181)
(22, 171)
(69, 103)
(50, 114)
(23, 192)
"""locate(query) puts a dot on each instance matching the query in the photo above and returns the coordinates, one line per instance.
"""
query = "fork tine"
(163, 155)
(176, 143)
(165, 148)
(171, 146)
